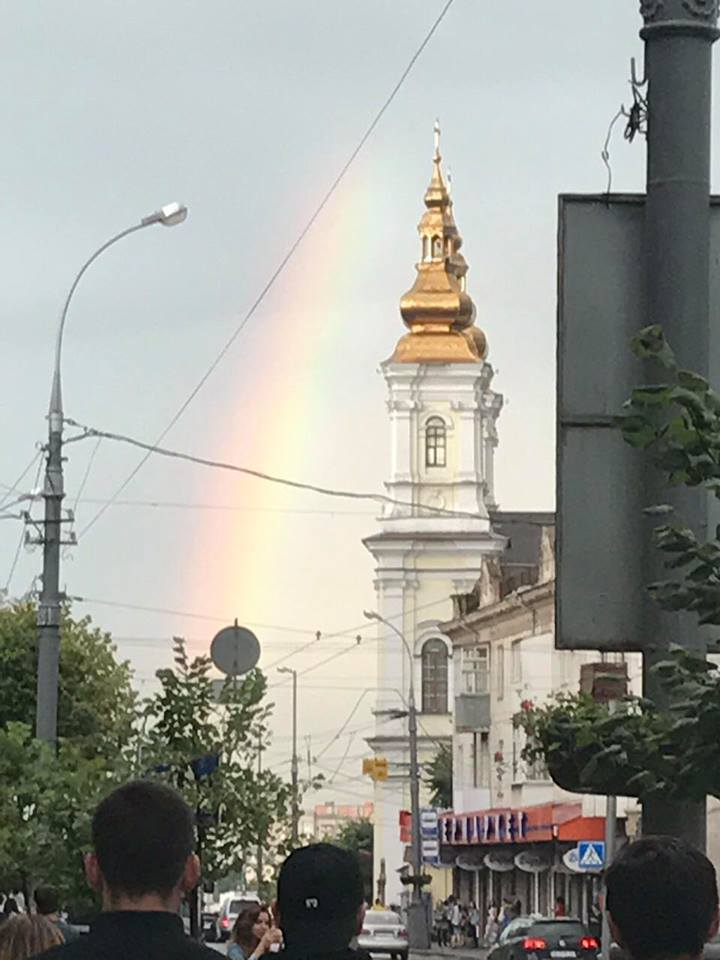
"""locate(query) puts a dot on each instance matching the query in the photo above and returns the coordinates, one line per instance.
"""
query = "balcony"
(472, 712)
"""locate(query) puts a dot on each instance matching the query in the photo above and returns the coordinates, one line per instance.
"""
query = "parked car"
(384, 932)
(560, 938)
(229, 910)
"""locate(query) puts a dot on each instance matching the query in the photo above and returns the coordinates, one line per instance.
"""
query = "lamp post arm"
(56, 407)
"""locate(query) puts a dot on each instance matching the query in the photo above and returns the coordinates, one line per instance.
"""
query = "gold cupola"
(438, 310)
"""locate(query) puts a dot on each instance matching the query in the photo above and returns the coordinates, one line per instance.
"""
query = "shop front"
(523, 854)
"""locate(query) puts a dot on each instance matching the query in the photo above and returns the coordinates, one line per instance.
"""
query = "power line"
(222, 507)
(13, 487)
(18, 550)
(261, 475)
(281, 266)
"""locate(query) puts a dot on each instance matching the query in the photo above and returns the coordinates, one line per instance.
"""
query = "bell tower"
(431, 544)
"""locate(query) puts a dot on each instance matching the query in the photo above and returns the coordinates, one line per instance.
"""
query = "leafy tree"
(47, 796)
(439, 778)
(642, 750)
(206, 744)
(357, 836)
(96, 705)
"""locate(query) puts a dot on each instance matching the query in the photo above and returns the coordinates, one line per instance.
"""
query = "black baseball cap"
(320, 891)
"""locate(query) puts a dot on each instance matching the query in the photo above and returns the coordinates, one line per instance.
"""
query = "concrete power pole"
(678, 37)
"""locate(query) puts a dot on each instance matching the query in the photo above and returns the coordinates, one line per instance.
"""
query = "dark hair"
(662, 895)
(143, 833)
(46, 899)
(242, 931)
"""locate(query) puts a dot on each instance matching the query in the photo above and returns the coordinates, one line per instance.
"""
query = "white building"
(433, 538)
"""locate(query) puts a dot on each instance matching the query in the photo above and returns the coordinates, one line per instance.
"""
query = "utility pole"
(295, 834)
(678, 37)
(418, 928)
(261, 836)
(49, 607)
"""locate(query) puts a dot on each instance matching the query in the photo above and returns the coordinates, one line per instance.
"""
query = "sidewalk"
(458, 953)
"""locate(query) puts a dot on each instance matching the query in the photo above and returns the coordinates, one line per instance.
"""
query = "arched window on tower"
(437, 248)
(435, 443)
(434, 677)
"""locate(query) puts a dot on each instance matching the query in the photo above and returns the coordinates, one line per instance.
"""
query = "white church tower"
(443, 414)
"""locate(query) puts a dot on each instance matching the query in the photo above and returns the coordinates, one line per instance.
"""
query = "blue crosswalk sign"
(591, 855)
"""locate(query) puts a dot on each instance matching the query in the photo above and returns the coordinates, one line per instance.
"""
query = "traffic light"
(375, 767)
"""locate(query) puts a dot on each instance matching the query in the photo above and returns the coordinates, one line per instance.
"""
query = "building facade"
(512, 830)
(434, 534)
(327, 819)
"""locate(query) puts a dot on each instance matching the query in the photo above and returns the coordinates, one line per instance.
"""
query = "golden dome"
(437, 309)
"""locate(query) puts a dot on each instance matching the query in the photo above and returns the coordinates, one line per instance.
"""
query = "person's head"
(143, 840)
(662, 899)
(320, 903)
(560, 901)
(46, 900)
(378, 902)
(24, 935)
(251, 925)
(10, 906)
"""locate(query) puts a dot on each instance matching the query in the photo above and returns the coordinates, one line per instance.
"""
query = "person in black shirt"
(142, 865)
(320, 903)
(662, 899)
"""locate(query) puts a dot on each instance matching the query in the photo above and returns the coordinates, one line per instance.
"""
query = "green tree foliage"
(357, 837)
(205, 741)
(438, 776)
(96, 705)
(641, 750)
(46, 797)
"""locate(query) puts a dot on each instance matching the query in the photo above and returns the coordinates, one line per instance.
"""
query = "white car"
(384, 932)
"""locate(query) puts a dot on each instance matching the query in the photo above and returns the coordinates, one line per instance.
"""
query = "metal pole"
(49, 607)
(295, 798)
(678, 37)
(261, 834)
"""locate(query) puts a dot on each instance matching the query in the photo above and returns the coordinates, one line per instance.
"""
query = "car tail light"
(225, 922)
(534, 943)
(590, 943)
(402, 933)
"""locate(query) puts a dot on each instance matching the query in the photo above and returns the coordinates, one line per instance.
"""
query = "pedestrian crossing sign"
(591, 855)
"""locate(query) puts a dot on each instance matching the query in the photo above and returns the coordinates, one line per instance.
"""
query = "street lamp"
(417, 920)
(53, 493)
(295, 836)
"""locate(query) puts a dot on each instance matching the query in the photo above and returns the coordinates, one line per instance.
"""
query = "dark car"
(561, 938)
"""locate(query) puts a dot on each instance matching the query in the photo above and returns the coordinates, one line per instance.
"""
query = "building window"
(516, 661)
(434, 677)
(500, 676)
(474, 667)
(481, 759)
(435, 443)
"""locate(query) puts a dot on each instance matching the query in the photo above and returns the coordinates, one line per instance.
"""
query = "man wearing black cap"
(321, 904)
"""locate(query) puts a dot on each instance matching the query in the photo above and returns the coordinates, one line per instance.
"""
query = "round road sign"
(235, 650)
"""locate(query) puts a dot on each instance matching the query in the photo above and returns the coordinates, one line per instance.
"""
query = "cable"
(18, 550)
(86, 474)
(179, 505)
(14, 486)
(281, 266)
(259, 474)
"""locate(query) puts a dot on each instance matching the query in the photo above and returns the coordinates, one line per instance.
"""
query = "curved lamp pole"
(418, 931)
(53, 492)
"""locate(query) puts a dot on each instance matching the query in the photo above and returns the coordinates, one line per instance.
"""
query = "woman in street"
(253, 934)
(492, 925)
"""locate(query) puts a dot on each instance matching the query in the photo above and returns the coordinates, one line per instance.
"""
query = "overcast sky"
(246, 112)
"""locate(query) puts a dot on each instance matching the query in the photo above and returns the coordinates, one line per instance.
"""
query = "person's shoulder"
(72, 950)
(198, 951)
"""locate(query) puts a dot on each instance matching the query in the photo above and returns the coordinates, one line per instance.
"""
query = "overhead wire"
(281, 266)
(13, 487)
(381, 498)
(18, 550)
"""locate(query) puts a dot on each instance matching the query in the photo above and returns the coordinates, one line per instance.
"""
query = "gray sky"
(246, 112)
